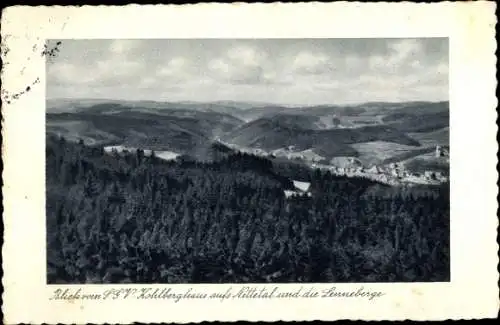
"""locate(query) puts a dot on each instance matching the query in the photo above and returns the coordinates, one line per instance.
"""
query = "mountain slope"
(371, 132)
(177, 130)
(275, 132)
(239, 110)
(419, 118)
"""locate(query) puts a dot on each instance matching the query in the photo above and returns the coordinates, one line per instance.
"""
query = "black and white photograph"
(305, 160)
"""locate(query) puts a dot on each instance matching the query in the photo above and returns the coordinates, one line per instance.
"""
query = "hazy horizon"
(237, 101)
(287, 72)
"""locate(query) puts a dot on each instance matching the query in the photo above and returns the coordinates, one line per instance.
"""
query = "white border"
(473, 291)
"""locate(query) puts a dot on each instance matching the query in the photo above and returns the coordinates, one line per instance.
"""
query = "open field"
(377, 152)
(437, 137)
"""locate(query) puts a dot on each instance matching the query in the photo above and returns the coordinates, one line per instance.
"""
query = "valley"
(247, 161)
(233, 191)
(393, 143)
(404, 173)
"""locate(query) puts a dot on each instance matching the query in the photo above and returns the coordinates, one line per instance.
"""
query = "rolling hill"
(436, 137)
(276, 132)
(419, 118)
(116, 124)
(373, 133)
(241, 110)
(383, 152)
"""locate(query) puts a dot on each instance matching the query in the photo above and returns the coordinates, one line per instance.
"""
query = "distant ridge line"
(253, 104)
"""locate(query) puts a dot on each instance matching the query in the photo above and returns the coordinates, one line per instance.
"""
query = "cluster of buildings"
(441, 152)
(288, 152)
(291, 153)
(391, 174)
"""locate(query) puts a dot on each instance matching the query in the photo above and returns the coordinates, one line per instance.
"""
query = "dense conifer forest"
(118, 218)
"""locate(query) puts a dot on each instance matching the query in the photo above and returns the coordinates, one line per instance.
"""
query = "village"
(391, 174)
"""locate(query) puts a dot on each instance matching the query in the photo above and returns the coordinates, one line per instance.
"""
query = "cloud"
(220, 67)
(111, 68)
(174, 71)
(64, 72)
(402, 54)
(247, 56)
(174, 66)
(114, 66)
(308, 63)
(283, 71)
(123, 47)
(242, 65)
(404, 49)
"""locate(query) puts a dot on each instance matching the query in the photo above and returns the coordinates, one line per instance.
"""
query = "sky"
(280, 71)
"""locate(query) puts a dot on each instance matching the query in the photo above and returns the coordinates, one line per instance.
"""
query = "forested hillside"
(115, 218)
(176, 130)
(373, 133)
(283, 131)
